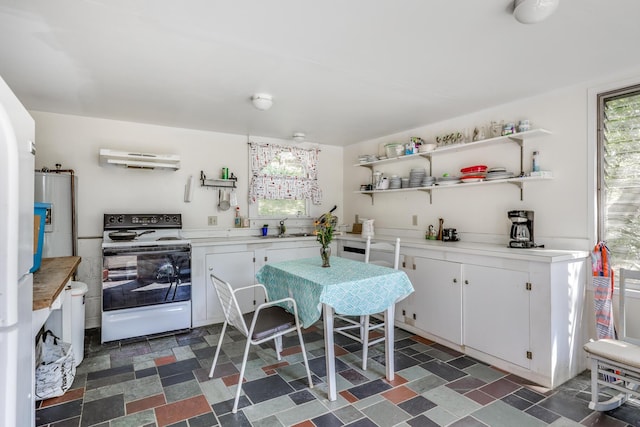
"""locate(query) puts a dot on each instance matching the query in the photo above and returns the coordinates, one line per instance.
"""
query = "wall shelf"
(518, 138)
(218, 183)
(518, 182)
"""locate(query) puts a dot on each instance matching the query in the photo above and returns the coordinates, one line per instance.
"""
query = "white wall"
(75, 142)
(481, 211)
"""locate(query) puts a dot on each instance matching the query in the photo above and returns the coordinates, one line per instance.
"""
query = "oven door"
(144, 276)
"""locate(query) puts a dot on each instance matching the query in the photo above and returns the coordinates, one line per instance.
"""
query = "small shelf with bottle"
(219, 183)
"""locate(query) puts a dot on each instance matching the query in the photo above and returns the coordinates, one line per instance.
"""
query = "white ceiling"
(341, 71)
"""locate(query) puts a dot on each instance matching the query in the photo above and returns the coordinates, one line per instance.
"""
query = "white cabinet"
(496, 312)
(235, 268)
(518, 310)
(436, 303)
(238, 265)
(277, 255)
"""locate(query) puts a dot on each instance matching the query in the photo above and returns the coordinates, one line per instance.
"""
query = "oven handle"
(120, 252)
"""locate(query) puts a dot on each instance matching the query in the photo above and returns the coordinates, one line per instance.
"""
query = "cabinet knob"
(455, 280)
(210, 268)
(466, 282)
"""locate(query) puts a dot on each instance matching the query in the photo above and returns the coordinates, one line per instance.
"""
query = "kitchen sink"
(284, 236)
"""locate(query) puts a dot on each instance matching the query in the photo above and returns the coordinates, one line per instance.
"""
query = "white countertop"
(486, 249)
(462, 247)
(239, 240)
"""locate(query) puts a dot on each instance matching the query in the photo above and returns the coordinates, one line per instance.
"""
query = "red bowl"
(476, 168)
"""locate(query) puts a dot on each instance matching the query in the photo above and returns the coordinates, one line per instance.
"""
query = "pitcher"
(367, 228)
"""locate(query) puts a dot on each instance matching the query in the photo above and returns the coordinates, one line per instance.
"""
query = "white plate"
(471, 179)
(449, 182)
(494, 176)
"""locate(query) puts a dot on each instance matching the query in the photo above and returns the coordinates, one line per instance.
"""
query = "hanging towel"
(603, 291)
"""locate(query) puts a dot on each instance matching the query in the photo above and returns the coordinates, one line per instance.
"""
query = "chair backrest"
(629, 282)
(383, 247)
(229, 304)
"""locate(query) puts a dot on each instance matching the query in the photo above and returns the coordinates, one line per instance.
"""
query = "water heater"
(55, 188)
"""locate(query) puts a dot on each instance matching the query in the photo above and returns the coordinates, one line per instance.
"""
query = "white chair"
(615, 363)
(268, 322)
(364, 322)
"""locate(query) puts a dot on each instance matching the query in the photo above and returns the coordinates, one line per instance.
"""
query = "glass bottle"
(535, 165)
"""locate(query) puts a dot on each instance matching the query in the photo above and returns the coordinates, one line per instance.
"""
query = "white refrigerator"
(17, 349)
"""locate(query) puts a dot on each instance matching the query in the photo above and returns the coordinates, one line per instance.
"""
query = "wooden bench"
(615, 363)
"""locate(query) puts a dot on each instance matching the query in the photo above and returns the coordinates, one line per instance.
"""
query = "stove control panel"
(140, 221)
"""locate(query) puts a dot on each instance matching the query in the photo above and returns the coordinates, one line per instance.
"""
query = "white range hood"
(139, 160)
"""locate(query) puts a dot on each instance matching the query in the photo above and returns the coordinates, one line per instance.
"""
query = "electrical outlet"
(415, 220)
(213, 220)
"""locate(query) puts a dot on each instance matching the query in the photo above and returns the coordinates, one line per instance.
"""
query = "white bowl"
(424, 148)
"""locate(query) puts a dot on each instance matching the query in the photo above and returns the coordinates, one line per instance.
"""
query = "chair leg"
(240, 379)
(304, 356)
(364, 322)
(215, 358)
(278, 344)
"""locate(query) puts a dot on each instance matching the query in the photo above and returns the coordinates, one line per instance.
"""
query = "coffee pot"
(521, 229)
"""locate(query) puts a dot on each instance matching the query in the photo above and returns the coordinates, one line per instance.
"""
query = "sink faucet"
(282, 229)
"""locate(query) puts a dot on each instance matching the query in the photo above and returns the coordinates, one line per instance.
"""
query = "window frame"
(601, 97)
(254, 206)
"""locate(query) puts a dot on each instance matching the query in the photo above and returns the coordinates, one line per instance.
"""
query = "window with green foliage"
(619, 175)
(284, 165)
(283, 179)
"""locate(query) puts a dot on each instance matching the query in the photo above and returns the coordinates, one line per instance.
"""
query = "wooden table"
(51, 278)
(347, 287)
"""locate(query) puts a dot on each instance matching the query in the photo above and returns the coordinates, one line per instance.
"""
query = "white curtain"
(265, 186)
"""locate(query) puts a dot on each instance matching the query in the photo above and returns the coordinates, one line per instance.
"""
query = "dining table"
(347, 287)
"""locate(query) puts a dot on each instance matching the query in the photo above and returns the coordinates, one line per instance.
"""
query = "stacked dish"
(448, 180)
(474, 173)
(395, 182)
(428, 181)
(366, 158)
(416, 176)
(498, 173)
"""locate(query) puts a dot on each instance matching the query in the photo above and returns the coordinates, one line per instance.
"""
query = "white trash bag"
(55, 367)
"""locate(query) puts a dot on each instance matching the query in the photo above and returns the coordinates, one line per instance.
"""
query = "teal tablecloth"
(350, 287)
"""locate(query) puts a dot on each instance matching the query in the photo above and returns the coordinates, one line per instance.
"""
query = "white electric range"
(146, 276)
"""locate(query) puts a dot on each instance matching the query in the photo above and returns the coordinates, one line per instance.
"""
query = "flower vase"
(325, 253)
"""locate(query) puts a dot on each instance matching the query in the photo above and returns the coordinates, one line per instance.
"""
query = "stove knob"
(120, 219)
(175, 219)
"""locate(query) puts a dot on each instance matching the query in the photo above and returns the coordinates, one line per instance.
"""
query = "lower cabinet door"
(277, 255)
(496, 312)
(437, 301)
(237, 268)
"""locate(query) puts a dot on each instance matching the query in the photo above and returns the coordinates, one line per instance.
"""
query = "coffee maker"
(521, 229)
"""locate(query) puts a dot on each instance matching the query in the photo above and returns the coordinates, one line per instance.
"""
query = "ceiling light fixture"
(262, 101)
(298, 136)
(533, 11)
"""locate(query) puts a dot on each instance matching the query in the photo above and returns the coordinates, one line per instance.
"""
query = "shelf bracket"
(428, 190)
(370, 195)
(520, 185)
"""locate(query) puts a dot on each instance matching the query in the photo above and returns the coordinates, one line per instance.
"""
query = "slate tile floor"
(163, 381)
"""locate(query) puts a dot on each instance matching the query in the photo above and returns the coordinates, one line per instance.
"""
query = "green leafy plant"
(325, 226)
